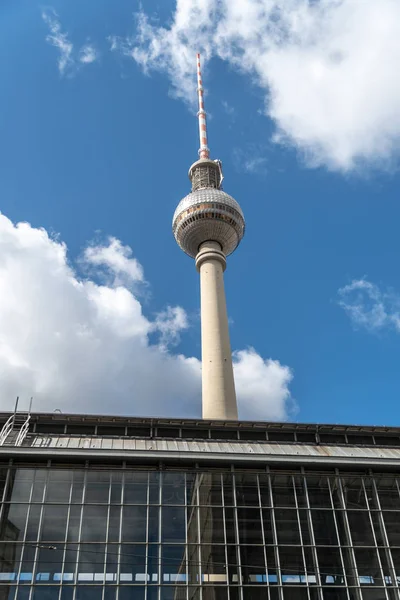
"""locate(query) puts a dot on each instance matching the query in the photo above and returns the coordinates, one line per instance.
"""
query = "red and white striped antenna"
(204, 151)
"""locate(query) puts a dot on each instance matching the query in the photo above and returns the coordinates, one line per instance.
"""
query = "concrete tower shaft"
(208, 225)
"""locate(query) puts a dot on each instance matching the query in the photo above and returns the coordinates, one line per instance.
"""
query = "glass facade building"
(77, 526)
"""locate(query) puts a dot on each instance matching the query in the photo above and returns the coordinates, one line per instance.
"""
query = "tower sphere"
(208, 214)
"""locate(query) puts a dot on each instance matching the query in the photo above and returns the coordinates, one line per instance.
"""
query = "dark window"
(247, 489)
(195, 433)
(392, 524)
(45, 592)
(360, 528)
(134, 524)
(252, 435)
(386, 440)
(139, 431)
(173, 524)
(249, 523)
(59, 485)
(287, 527)
(281, 436)
(224, 434)
(332, 438)
(94, 523)
(305, 437)
(49, 428)
(110, 430)
(54, 523)
(135, 487)
(253, 564)
(168, 432)
(173, 488)
(97, 487)
(131, 593)
(324, 527)
(7, 592)
(360, 439)
(81, 429)
(211, 525)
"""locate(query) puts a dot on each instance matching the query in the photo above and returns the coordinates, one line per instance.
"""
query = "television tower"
(208, 225)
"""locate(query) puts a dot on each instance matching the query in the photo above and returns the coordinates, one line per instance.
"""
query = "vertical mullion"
(263, 534)
(275, 536)
(66, 532)
(198, 549)
(42, 505)
(121, 518)
(353, 564)
(374, 536)
(338, 536)
(107, 533)
(237, 538)
(185, 479)
(382, 527)
(311, 530)
(78, 550)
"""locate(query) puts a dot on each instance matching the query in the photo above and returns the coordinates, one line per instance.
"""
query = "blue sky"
(99, 145)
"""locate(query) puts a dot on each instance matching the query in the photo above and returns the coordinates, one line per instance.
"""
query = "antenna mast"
(204, 151)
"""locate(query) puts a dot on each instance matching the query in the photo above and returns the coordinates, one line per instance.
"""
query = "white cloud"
(59, 40)
(369, 307)
(118, 261)
(262, 386)
(329, 68)
(88, 54)
(82, 346)
(67, 61)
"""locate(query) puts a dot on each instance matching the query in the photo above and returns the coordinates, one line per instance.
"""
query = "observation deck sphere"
(205, 215)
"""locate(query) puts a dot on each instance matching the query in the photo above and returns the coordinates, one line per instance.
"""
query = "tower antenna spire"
(204, 151)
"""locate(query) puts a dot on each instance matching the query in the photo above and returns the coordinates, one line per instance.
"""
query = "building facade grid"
(113, 533)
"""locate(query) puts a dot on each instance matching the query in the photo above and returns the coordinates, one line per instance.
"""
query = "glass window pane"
(134, 523)
(209, 488)
(45, 592)
(249, 524)
(78, 478)
(67, 593)
(116, 487)
(94, 523)
(318, 491)
(7, 592)
(287, 527)
(252, 560)
(247, 489)
(353, 491)
(135, 487)
(58, 485)
(91, 562)
(39, 485)
(114, 524)
(360, 528)
(74, 523)
(13, 522)
(110, 593)
(330, 565)
(23, 593)
(10, 556)
(131, 592)
(89, 593)
(264, 484)
(282, 490)
(97, 487)
(49, 562)
(388, 492)
(153, 529)
(292, 565)
(211, 525)
(392, 526)
(20, 485)
(173, 524)
(54, 523)
(213, 564)
(324, 527)
(133, 563)
(173, 564)
(212, 593)
(369, 572)
(173, 488)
